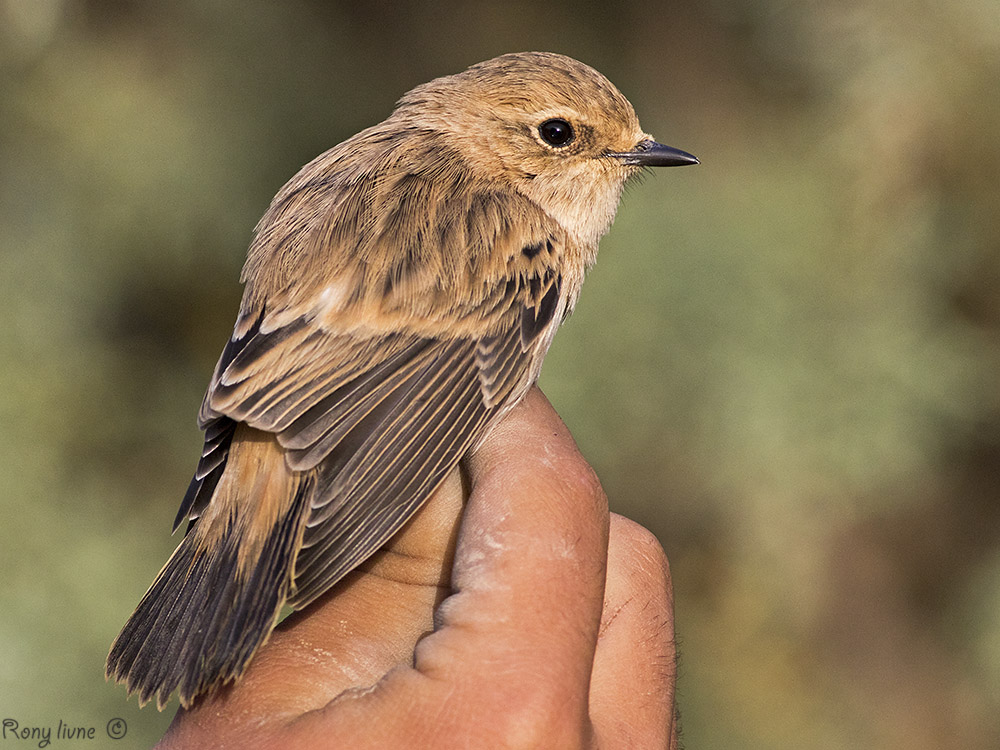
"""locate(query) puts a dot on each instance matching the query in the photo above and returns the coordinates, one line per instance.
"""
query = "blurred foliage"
(784, 364)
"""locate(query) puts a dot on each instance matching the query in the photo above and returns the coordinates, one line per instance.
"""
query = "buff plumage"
(400, 295)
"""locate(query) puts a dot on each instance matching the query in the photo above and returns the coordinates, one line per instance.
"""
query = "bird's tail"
(219, 596)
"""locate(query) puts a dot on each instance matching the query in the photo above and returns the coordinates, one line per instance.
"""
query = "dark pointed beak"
(652, 154)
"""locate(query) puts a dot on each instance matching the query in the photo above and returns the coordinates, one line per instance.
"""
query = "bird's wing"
(381, 420)
(380, 417)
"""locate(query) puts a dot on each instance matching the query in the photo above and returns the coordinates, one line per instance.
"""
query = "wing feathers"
(537, 316)
(218, 437)
(357, 395)
(496, 359)
(377, 423)
(376, 492)
(380, 422)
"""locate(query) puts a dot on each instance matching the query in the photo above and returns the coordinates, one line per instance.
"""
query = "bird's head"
(552, 128)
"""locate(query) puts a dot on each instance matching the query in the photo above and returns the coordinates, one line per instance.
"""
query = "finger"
(521, 627)
(635, 666)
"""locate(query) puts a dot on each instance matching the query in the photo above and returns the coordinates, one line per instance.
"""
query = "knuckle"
(574, 477)
(590, 482)
(636, 549)
(566, 476)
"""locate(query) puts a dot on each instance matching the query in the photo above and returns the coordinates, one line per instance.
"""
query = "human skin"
(512, 611)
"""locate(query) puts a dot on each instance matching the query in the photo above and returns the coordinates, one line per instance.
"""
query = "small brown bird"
(400, 294)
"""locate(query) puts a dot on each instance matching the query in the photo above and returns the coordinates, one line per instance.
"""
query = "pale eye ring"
(556, 132)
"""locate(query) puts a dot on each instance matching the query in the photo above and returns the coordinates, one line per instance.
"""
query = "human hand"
(548, 625)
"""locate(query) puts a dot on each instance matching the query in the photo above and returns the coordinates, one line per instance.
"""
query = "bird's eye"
(556, 132)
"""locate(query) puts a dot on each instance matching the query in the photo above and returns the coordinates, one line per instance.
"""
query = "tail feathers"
(208, 611)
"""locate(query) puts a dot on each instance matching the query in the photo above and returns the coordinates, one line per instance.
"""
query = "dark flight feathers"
(381, 438)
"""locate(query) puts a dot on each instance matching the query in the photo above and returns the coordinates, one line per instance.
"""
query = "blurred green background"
(784, 363)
